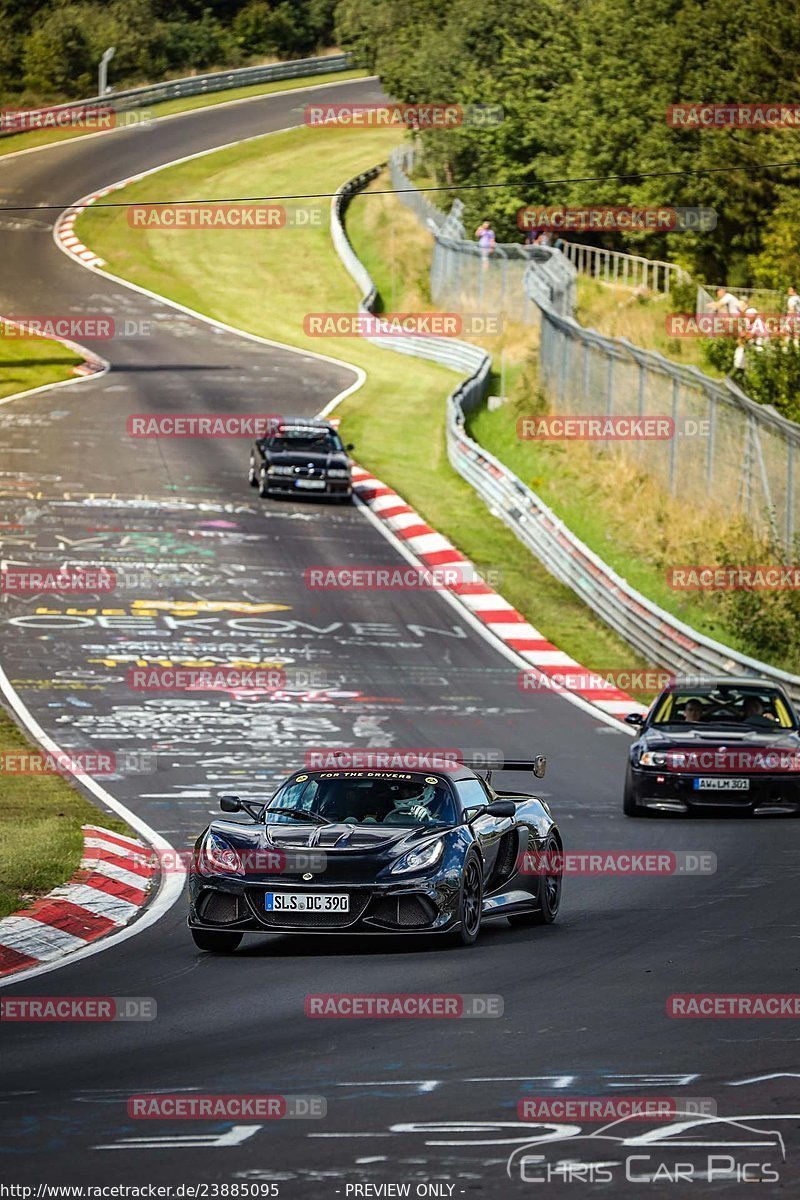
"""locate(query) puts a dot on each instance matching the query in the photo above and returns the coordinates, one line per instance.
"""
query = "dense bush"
(50, 51)
(585, 89)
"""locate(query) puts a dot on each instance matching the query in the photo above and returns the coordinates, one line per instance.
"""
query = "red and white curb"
(66, 236)
(64, 229)
(484, 603)
(107, 893)
(91, 365)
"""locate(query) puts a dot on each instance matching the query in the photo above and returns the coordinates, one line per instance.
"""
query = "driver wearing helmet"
(416, 807)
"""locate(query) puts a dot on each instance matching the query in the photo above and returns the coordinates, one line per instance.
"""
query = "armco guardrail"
(191, 85)
(659, 637)
(448, 352)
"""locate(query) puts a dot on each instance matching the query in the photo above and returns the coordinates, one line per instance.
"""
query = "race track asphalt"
(408, 1102)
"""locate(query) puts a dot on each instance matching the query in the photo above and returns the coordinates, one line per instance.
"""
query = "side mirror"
(634, 719)
(350, 446)
(230, 804)
(501, 808)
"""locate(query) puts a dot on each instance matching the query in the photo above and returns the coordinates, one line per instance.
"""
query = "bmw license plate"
(315, 485)
(721, 785)
(307, 902)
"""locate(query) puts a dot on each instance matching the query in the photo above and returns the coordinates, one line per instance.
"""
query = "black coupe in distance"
(301, 457)
(398, 851)
(713, 745)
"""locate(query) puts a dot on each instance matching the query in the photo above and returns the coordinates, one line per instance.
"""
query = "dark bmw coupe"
(715, 745)
(301, 457)
(376, 851)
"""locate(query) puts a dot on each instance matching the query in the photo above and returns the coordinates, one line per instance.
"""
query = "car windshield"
(320, 440)
(725, 706)
(365, 798)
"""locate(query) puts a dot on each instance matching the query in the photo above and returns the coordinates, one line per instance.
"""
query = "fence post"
(673, 450)
(790, 499)
(562, 371)
(610, 386)
(712, 436)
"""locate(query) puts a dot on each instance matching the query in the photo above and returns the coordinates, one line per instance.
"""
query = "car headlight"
(417, 860)
(652, 758)
(338, 473)
(218, 857)
(280, 470)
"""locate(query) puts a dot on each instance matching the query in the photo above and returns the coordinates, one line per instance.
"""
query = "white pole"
(102, 71)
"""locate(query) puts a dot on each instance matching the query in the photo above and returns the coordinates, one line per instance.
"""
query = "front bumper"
(285, 485)
(421, 906)
(676, 792)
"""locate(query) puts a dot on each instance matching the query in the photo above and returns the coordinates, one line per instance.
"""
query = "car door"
(488, 830)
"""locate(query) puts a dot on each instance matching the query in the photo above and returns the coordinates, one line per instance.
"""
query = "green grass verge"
(33, 362)
(44, 137)
(40, 828)
(621, 312)
(397, 418)
(596, 497)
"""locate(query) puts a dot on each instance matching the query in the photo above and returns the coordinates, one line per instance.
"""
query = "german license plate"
(716, 784)
(312, 485)
(307, 902)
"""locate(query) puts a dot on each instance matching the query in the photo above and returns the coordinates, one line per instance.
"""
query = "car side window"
(472, 794)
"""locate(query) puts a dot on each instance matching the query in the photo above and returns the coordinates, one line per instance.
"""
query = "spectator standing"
(486, 241)
(726, 302)
(793, 310)
(739, 361)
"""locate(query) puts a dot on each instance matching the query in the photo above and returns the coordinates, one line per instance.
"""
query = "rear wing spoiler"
(538, 765)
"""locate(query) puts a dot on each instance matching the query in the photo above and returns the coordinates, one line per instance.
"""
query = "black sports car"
(404, 852)
(715, 744)
(301, 457)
